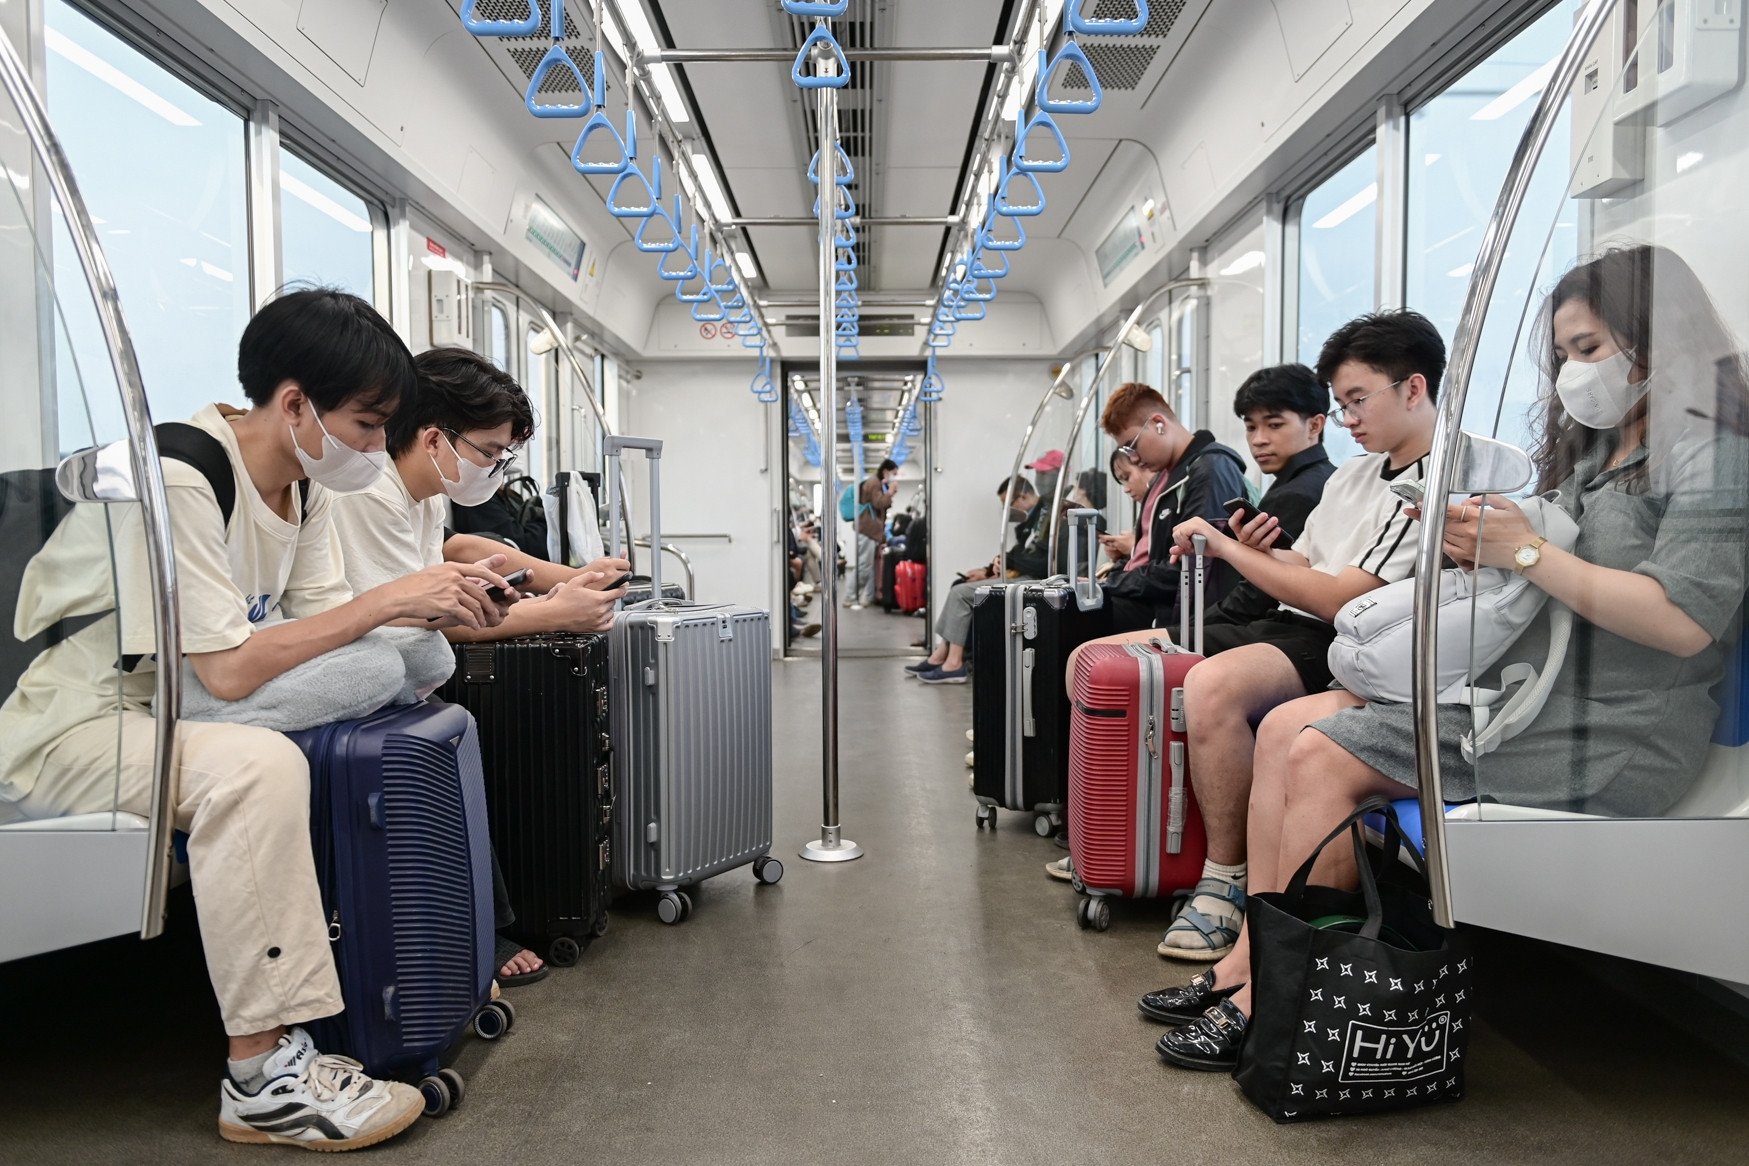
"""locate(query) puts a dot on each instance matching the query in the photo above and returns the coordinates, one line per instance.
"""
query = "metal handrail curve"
(1442, 460)
(148, 478)
(1057, 390)
(1110, 361)
(685, 563)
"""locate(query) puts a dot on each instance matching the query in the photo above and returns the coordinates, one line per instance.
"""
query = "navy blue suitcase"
(398, 827)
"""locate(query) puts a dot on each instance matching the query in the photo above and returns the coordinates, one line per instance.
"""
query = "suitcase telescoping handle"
(652, 448)
(1191, 585)
(1088, 596)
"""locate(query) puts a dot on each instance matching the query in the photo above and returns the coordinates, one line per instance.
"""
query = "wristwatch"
(1528, 555)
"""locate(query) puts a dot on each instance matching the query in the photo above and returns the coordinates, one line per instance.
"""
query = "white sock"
(250, 1074)
(1234, 874)
(1216, 908)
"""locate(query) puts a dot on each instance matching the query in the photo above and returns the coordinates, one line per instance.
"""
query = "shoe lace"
(331, 1077)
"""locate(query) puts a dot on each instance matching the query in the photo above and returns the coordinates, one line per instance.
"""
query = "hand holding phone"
(1233, 507)
(1410, 492)
(514, 579)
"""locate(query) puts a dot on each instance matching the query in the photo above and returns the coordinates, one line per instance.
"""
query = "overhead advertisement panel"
(558, 241)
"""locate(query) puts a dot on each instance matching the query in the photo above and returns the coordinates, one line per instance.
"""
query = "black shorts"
(1303, 640)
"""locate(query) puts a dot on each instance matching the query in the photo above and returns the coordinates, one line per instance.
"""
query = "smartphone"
(620, 582)
(1283, 540)
(515, 579)
(1410, 492)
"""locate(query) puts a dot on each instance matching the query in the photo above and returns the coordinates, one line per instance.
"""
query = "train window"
(538, 383)
(498, 336)
(1156, 358)
(1337, 281)
(325, 230)
(1460, 144)
(162, 169)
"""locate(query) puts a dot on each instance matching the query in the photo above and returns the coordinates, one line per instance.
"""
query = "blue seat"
(1409, 814)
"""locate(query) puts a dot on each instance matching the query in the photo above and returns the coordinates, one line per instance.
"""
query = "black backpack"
(31, 507)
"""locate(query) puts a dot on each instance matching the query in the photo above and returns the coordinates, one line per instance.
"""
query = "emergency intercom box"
(1689, 53)
(1608, 153)
(450, 313)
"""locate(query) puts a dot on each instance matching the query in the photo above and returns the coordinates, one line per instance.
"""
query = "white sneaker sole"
(248, 1135)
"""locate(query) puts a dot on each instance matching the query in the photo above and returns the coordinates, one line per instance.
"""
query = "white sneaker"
(969, 754)
(856, 607)
(1063, 869)
(971, 738)
(317, 1101)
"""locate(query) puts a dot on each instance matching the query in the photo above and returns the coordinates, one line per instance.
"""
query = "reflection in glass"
(1338, 225)
(325, 230)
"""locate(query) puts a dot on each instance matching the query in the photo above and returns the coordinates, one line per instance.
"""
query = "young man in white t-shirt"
(1384, 372)
(454, 439)
(322, 372)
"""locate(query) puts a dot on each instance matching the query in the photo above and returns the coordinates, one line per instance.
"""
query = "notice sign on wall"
(1120, 247)
(548, 231)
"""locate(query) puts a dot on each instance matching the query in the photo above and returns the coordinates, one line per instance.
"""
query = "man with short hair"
(1384, 371)
(323, 372)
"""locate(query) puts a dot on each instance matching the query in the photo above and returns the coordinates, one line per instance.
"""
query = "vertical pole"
(929, 517)
(830, 847)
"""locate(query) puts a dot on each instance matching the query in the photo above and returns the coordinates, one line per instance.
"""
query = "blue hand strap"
(527, 26)
(690, 271)
(844, 207)
(724, 285)
(845, 173)
(736, 303)
(652, 192)
(848, 300)
(987, 237)
(844, 259)
(1106, 27)
(826, 8)
(846, 281)
(1070, 56)
(970, 291)
(711, 314)
(1008, 202)
(982, 270)
(556, 58)
(598, 122)
(661, 246)
(1024, 161)
(704, 293)
(971, 310)
(755, 340)
(846, 328)
(822, 35)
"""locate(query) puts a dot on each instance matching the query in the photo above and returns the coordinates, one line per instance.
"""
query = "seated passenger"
(1135, 483)
(455, 438)
(1026, 560)
(323, 372)
(1194, 474)
(1646, 436)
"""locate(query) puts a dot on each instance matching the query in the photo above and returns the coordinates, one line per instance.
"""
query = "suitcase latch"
(1153, 748)
(1178, 723)
(1029, 623)
(649, 677)
(652, 832)
(479, 663)
(725, 631)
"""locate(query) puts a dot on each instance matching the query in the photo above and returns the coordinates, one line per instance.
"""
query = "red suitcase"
(1134, 830)
(909, 586)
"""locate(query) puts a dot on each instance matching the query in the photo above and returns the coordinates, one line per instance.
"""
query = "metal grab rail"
(685, 563)
(1442, 460)
(1056, 390)
(1099, 374)
(148, 479)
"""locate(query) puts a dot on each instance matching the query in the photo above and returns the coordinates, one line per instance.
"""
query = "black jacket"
(1026, 557)
(1290, 498)
(1207, 475)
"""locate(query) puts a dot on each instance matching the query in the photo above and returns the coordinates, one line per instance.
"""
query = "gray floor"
(868, 632)
(933, 1002)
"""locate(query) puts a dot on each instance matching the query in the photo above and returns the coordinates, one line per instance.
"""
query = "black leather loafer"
(1209, 1043)
(1184, 1004)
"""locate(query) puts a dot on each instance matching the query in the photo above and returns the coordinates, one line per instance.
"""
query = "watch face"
(1526, 556)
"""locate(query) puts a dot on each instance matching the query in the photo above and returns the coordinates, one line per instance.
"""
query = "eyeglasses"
(499, 462)
(1128, 448)
(1341, 413)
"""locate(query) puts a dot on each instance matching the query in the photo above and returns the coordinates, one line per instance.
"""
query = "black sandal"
(508, 949)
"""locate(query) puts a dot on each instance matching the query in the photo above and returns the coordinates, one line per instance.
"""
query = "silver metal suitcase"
(691, 717)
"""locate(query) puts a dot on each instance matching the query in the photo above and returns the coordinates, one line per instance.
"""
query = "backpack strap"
(194, 446)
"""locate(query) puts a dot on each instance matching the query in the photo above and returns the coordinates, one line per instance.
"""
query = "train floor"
(865, 631)
(933, 1002)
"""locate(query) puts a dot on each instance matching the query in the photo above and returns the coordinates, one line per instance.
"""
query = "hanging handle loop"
(799, 72)
(526, 26)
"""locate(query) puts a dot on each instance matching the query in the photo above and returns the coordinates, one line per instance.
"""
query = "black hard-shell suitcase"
(1020, 712)
(398, 828)
(887, 579)
(542, 705)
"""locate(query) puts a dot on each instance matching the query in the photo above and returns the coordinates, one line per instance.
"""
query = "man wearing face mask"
(322, 372)
(455, 439)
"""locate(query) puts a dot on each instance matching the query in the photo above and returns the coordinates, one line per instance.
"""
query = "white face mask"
(1599, 395)
(341, 468)
(476, 483)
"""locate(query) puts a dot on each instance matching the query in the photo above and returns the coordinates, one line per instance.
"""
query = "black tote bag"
(1360, 1001)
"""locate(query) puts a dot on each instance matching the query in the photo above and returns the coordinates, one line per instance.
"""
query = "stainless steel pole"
(929, 518)
(830, 846)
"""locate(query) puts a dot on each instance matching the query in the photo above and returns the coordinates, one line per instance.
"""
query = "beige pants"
(244, 798)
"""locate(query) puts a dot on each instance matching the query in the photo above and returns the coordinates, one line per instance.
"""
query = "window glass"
(325, 230)
(1156, 360)
(539, 387)
(162, 169)
(1338, 244)
(498, 336)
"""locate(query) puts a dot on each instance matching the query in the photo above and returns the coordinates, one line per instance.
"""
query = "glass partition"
(325, 230)
(1338, 242)
(1622, 371)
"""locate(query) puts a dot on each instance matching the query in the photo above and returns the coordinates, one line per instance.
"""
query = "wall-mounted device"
(451, 315)
(1689, 52)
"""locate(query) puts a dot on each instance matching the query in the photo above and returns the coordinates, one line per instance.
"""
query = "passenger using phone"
(322, 372)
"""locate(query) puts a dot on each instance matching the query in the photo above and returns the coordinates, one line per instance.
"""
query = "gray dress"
(1626, 727)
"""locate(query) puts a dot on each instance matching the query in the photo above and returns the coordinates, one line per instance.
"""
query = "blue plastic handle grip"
(827, 8)
(848, 300)
(556, 58)
(1070, 54)
(724, 285)
(652, 192)
(988, 241)
(1027, 163)
(846, 281)
(527, 26)
(672, 243)
(971, 310)
(747, 326)
(822, 35)
(1088, 26)
(982, 270)
(843, 176)
(699, 268)
(708, 315)
(757, 340)
(970, 291)
(845, 207)
(844, 259)
(736, 303)
(690, 271)
(597, 122)
(1006, 204)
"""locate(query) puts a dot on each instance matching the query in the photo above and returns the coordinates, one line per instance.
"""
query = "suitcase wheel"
(674, 907)
(494, 1020)
(987, 814)
(443, 1091)
(1093, 913)
(768, 870)
(600, 928)
(1043, 826)
(564, 952)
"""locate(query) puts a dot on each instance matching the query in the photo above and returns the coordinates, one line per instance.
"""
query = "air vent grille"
(557, 80)
(856, 115)
(1162, 14)
(1119, 66)
(517, 9)
(802, 327)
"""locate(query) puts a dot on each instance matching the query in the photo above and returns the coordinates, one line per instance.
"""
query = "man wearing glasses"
(1384, 371)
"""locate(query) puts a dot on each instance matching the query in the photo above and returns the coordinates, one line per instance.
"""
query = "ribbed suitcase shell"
(542, 707)
(692, 742)
(1020, 713)
(908, 583)
(1134, 829)
(398, 818)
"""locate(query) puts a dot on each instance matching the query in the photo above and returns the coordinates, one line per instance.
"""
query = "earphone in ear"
(1159, 428)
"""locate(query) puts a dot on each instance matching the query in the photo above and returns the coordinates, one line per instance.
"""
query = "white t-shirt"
(261, 567)
(1358, 522)
(386, 534)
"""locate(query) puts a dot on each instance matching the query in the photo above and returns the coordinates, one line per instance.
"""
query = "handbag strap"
(1395, 842)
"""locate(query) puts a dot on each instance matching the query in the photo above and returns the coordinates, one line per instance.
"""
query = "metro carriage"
(895, 297)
